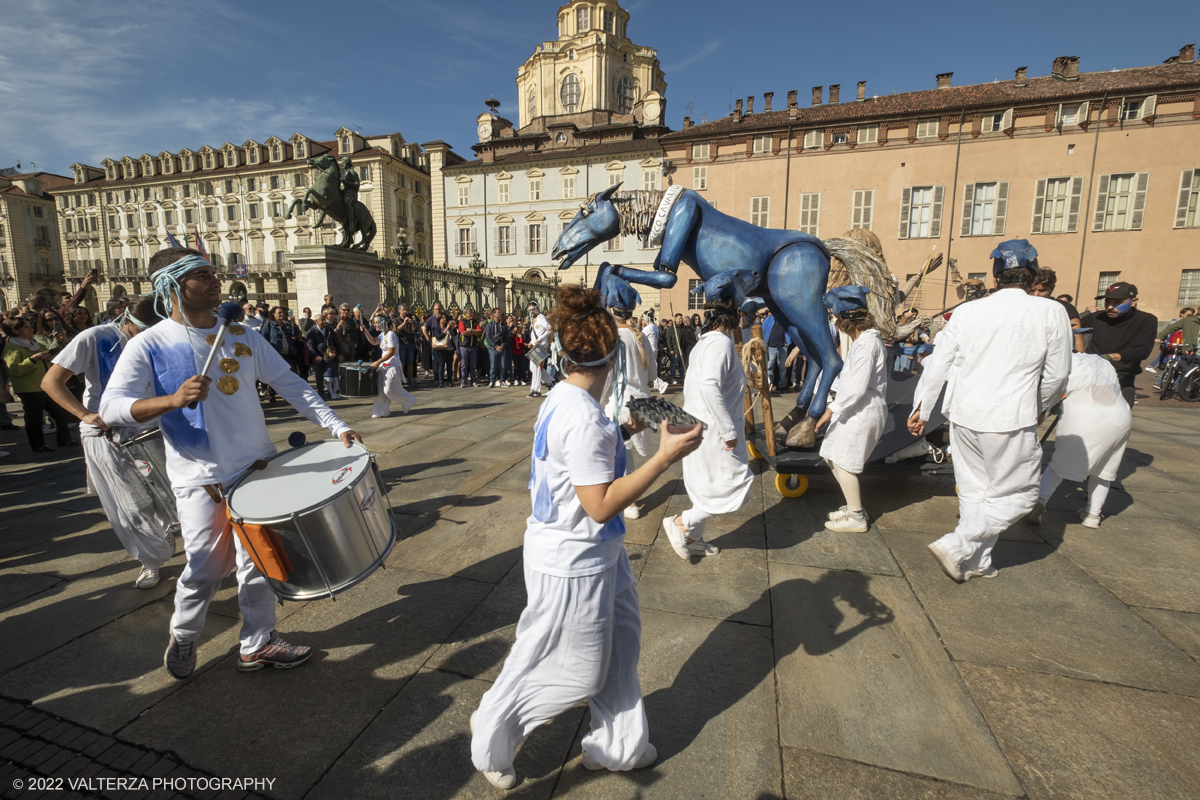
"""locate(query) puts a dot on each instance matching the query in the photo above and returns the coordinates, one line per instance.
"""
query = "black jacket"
(1130, 335)
(321, 337)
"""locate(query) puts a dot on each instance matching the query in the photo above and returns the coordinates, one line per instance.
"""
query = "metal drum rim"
(250, 473)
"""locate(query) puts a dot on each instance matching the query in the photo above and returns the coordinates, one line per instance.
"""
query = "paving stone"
(813, 776)
(93, 548)
(478, 647)
(17, 585)
(420, 747)
(1054, 619)
(508, 446)
(862, 676)
(421, 451)
(1182, 630)
(1068, 738)
(482, 428)
(796, 534)
(480, 538)
(433, 487)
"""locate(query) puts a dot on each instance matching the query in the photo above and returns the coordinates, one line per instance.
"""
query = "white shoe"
(381, 416)
(948, 565)
(148, 579)
(1089, 520)
(1034, 517)
(632, 512)
(703, 548)
(841, 512)
(850, 522)
(505, 778)
(677, 537)
(990, 572)
(648, 757)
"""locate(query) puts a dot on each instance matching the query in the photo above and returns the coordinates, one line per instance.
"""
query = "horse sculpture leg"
(796, 280)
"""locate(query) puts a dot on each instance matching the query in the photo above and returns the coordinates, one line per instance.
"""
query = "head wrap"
(166, 284)
(845, 301)
(1014, 254)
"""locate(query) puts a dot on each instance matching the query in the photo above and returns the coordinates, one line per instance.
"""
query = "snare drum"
(316, 520)
(358, 380)
(144, 447)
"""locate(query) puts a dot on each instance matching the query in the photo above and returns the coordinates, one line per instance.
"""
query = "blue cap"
(1014, 254)
(846, 298)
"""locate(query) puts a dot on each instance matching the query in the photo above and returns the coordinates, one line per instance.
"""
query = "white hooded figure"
(390, 379)
(633, 383)
(539, 339)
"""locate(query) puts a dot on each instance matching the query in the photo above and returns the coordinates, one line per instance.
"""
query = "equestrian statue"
(785, 271)
(334, 193)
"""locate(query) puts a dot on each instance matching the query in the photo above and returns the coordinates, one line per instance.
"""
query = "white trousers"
(577, 639)
(535, 384)
(997, 476)
(1097, 490)
(212, 551)
(391, 387)
(138, 524)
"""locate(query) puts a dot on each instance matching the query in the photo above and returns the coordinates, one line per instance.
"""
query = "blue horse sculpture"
(793, 269)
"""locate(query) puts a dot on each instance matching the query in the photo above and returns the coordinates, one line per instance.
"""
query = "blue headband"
(166, 280)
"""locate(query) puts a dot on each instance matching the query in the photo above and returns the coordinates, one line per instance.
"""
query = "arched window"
(238, 292)
(531, 107)
(569, 94)
(624, 94)
(583, 19)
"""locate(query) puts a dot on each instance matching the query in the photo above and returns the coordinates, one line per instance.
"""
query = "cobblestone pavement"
(797, 663)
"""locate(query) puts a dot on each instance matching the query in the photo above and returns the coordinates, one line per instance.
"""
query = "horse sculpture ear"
(609, 192)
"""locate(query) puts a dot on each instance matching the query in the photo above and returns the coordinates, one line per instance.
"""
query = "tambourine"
(652, 411)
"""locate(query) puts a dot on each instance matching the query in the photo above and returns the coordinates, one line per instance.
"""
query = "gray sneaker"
(180, 659)
(1034, 517)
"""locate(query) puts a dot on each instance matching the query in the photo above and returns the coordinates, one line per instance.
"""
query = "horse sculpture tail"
(862, 267)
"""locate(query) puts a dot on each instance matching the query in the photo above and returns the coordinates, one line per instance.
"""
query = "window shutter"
(1081, 117)
(1076, 202)
(1039, 207)
(474, 244)
(1149, 106)
(935, 217)
(868, 207)
(1101, 202)
(968, 207)
(1185, 195)
(1058, 117)
(856, 216)
(1006, 121)
(1139, 201)
(1001, 209)
(905, 210)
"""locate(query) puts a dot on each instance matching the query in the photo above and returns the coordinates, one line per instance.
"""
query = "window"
(921, 212)
(168, 218)
(110, 197)
(760, 211)
(927, 128)
(535, 188)
(1189, 288)
(187, 163)
(251, 185)
(130, 221)
(985, 207)
(841, 138)
(700, 150)
(1056, 205)
(504, 241)
(189, 216)
(147, 195)
(274, 182)
(615, 243)
(810, 213)
(1071, 113)
(561, 138)
(615, 177)
(345, 144)
(276, 153)
(464, 194)
(568, 95)
(536, 243)
(252, 154)
(187, 190)
(91, 226)
(700, 178)
(231, 213)
(503, 191)
(276, 209)
(568, 187)
(813, 139)
(112, 223)
(465, 246)
(762, 143)
(1120, 202)
(531, 103)
(583, 19)
(301, 149)
(649, 180)
(299, 179)
(868, 134)
(255, 211)
(168, 193)
(695, 299)
(864, 206)
(1138, 109)
(228, 187)
(151, 221)
(364, 173)
(1107, 279)
(68, 225)
(128, 196)
(610, 22)
(210, 214)
(1186, 212)
(208, 161)
(625, 95)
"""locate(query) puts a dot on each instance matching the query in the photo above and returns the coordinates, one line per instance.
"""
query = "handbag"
(441, 342)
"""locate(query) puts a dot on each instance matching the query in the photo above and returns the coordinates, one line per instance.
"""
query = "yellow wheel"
(791, 485)
(754, 454)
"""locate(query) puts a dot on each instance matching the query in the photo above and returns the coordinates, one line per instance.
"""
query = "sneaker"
(48, 429)
(677, 537)
(948, 565)
(1089, 520)
(990, 572)
(148, 579)
(841, 512)
(508, 383)
(535, 394)
(850, 522)
(275, 653)
(180, 658)
(505, 778)
(702, 548)
(1151, 370)
(1034, 517)
(648, 757)
(631, 512)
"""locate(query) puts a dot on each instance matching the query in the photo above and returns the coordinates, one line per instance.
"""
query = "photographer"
(1122, 334)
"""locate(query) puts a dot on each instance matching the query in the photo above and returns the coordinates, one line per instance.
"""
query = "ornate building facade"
(233, 199)
(31, 258)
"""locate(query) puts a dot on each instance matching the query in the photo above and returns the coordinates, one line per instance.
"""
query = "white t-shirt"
(224, 435)
(253, 323)
(92, 354)
(392, 341)
(574, 445)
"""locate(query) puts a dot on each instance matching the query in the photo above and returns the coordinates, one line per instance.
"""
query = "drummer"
(389, 377)
(146, 534)
(209, 446)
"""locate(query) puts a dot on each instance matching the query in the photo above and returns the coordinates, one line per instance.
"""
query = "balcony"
(41, 243)
(419, 226)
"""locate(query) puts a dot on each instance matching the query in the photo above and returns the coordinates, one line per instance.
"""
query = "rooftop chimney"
(834, 92)
(749, 105)
(818, 91)
(687, 122)
(1187, 53)
(943, 80)
(862, 91)
(767, 101)
(737, 110)
(1066, 68)
(1019, 80)
(792, 98)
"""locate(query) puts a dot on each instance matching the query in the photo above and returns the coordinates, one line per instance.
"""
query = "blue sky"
(82, 80)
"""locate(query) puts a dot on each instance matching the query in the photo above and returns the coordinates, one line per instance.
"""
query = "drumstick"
(228, 312)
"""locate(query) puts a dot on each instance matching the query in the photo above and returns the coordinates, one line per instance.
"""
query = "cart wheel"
(791, 485)
(754, 454)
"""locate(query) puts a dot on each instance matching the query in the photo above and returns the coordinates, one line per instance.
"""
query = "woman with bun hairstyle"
(579, 636)
(717, 476)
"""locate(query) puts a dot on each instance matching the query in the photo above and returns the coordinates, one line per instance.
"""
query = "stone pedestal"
(350, 276)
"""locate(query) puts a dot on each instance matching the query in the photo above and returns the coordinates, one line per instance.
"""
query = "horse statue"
(786, 271)
(327, 196)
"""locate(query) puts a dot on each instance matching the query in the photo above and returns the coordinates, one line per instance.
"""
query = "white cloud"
(695, 58)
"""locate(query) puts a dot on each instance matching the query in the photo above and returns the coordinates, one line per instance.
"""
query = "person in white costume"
(858, 414)
(717, 476)
(1091, 438)
(540, 339)
(650, 331)
(579, 636)
(1005, 360)
(632, 383)
(388, 374)
(209, 446)
(146, 534)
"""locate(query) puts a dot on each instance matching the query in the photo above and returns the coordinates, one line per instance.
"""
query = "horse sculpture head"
(596, 222)
(323, 163)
